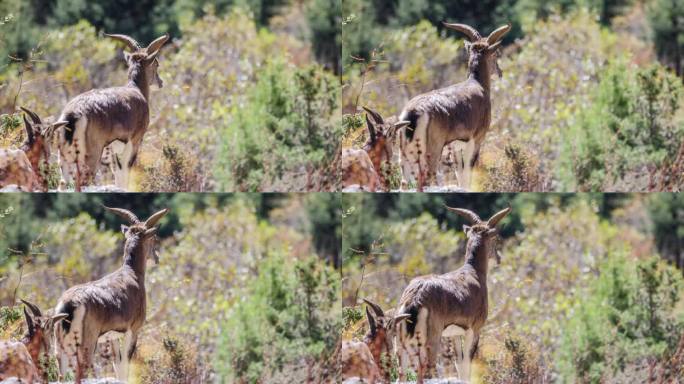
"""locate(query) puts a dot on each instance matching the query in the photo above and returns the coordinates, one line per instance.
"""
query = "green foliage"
(208, 268)
(288, 320)
(287, 126)
(665, 17)
(666, 210)
(627, 316)
(145, 20)
(630, 125)
(9, 316)
(323, 210)
(324, 18)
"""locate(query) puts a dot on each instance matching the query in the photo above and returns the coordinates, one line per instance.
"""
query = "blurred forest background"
(250, 99)
(589, 288)
(591, 94)
(247, 288)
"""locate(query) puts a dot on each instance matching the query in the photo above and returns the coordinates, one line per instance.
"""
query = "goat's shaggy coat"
(102, 116)
(459, 298)
(460, 112)
(117, 302)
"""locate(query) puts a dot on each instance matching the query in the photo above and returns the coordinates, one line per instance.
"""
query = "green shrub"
(285, 327)
(630, 126)
(286, 127)
(628, 314)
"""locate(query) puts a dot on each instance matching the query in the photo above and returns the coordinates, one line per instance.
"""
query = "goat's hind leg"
(124, 160)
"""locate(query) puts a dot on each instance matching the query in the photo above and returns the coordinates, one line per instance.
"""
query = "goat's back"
(458, 297)
(116, 113)
(460, 112)
(116, 302)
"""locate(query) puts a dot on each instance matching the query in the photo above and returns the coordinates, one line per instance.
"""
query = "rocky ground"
(88, 189)
(430, 189)
(94, 381)
(87, 381)
(429, 381)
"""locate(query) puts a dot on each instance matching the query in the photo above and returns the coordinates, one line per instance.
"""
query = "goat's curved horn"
(371, 129)
(472, 33)
(157, 44)
(129, 41)
(154, 219)
(126, 214)
(29, 129)
(494, 220)
(34, 116)
(376, 308)
(376, 116)
(34, 309)
(468, 214)
(498, 34)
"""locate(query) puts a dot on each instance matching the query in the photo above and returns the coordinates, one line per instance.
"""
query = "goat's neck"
(477, 255)
(135, 258)
(137, 77)
(33, 346)
(479, 71)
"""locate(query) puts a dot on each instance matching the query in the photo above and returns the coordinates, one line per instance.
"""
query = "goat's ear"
(150, 232)
(124, 229)
(494, 47)
(466, 229)
(30, 322)
(127, 57)
(371, 321)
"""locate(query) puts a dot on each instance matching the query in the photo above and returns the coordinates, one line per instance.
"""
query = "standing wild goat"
(116, 302)
(24, 360)
(101, 116)
(368, 168)
(435, 302)
(370, 360)
(459, 112)
(26, 167)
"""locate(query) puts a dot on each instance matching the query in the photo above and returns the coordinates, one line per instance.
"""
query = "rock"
(106, 380)
(436, 189)
(97, 189)
(445, 380)
(11, 188)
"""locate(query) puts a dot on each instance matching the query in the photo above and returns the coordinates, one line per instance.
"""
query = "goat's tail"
(68, 308)
(70, 128)
(410, 323)
(412, 117)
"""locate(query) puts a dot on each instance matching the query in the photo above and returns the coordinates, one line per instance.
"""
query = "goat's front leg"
(129, 346)
(469, 348)
(403, 364)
